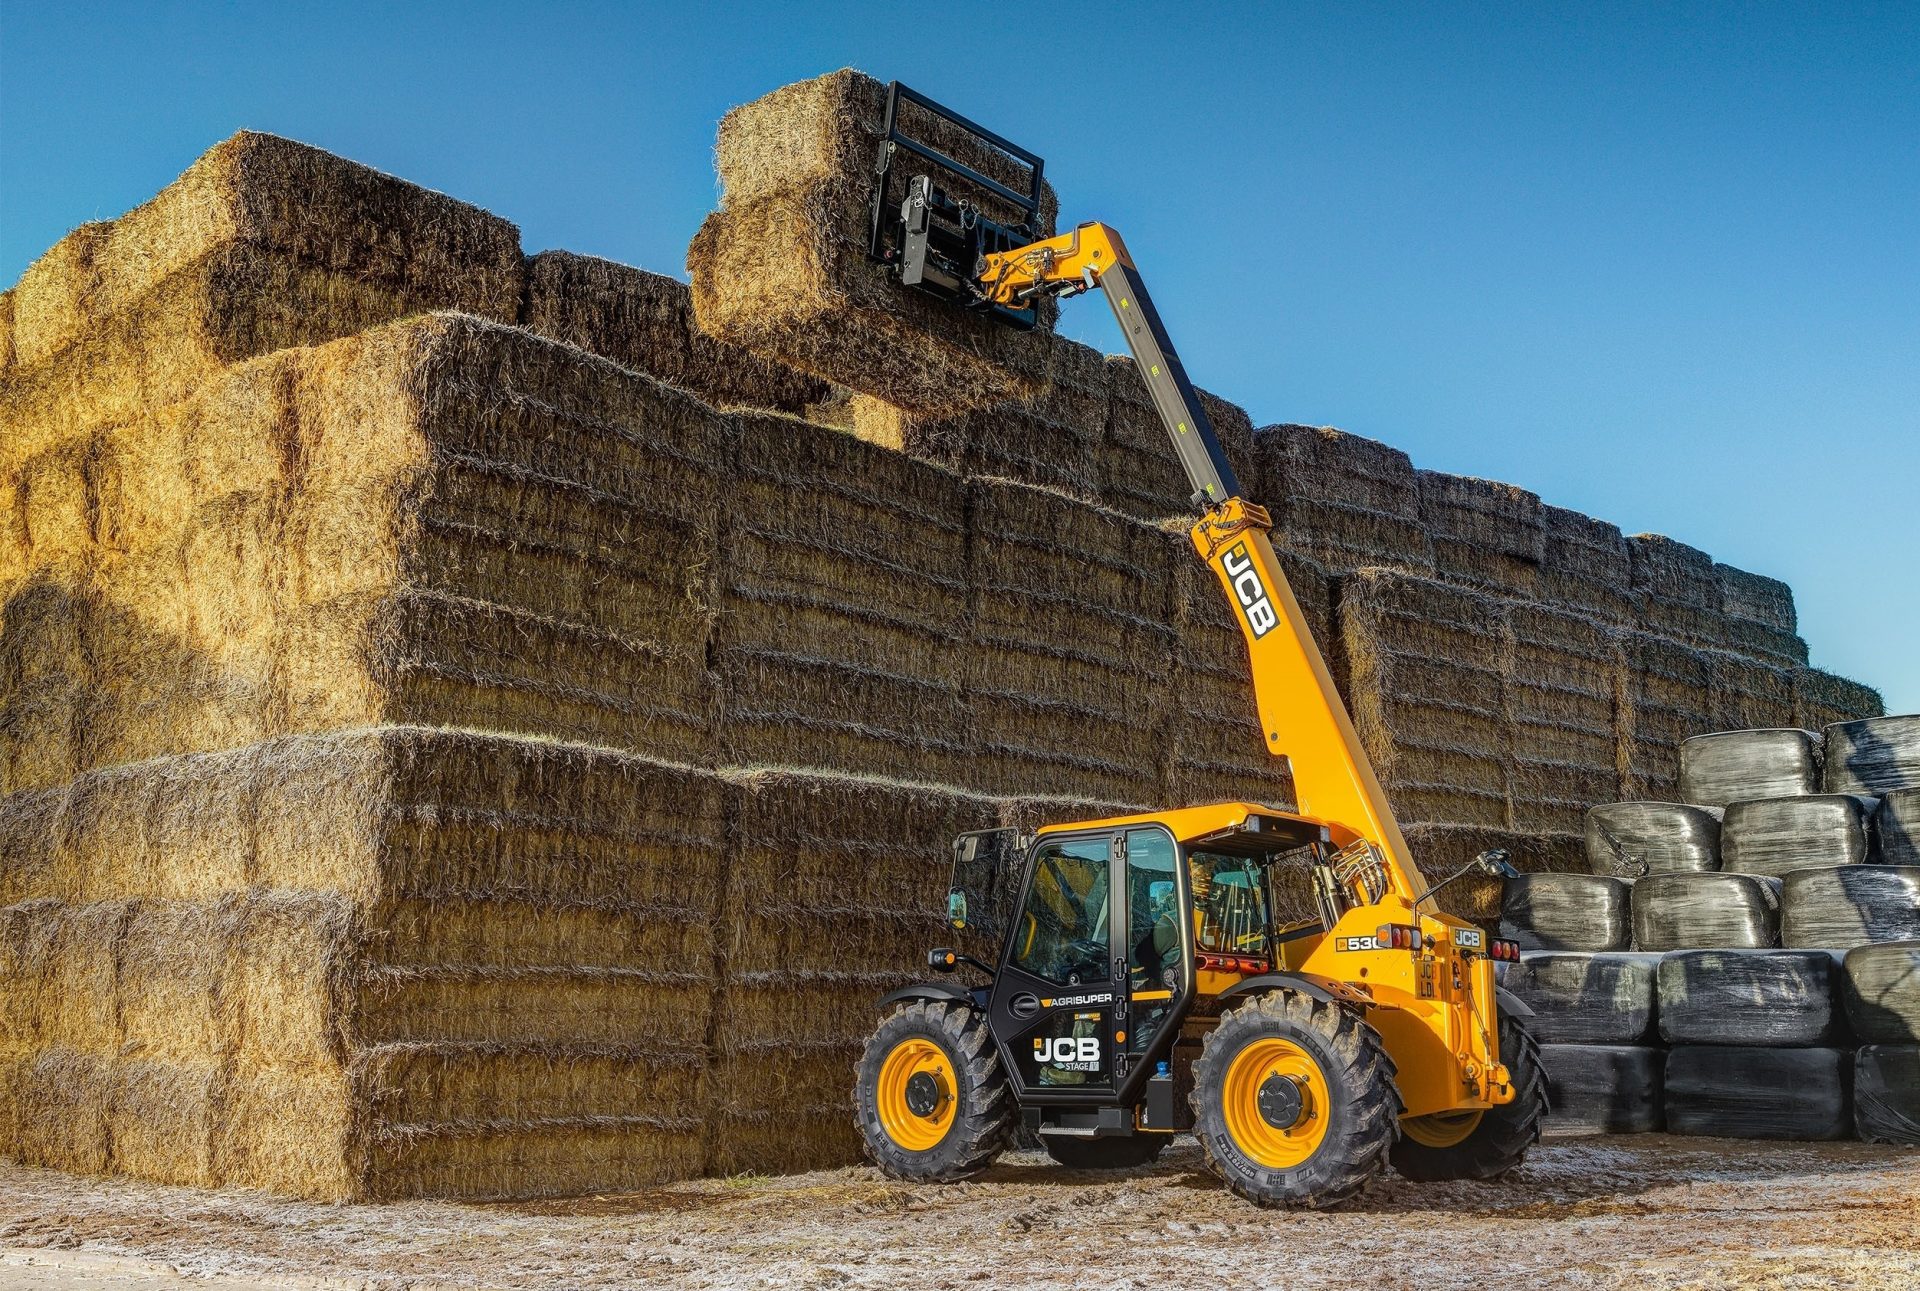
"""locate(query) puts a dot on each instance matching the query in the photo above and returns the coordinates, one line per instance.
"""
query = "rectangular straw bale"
(1672, 571)
(1428, 668)
(163, 1119)
(1340, 499)
(1484, 533)
(1822, 698)
(781, 268)
(843, 578)
(292, 201)
(1053, 439)
(1071, 645)
(564, 1158)
(62, 1111)
(1666, 695)
(1759, 641)
(1139, 471)
(1747, 694)
(644, 321)
(1585, 566)
(1561, 702)
(1756, 598)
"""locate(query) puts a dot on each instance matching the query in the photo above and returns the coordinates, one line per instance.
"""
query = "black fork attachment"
(928, 238)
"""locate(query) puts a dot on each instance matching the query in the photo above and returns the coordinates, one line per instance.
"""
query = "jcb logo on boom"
(1250, 591)
(1066, 1048)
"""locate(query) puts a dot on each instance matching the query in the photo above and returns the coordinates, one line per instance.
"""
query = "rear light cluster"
(1397, 936)
(1504, 950)
(1230, 964)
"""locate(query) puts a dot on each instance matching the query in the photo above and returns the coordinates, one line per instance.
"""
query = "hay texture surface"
(1339, 499)
(1585, 565)
(1484, 532)
(1139, 469)
(1560, 703)
(781, 268)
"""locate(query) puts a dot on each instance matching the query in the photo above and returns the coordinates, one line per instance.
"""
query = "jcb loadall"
(1147, 982)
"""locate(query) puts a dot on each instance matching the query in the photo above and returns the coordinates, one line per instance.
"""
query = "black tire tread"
(1505, 1133)
(986, 1117)
(1339, 1171)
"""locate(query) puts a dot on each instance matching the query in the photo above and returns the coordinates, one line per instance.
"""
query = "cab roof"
(1238, 826)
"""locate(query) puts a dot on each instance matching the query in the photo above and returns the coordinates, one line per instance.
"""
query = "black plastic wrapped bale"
(1582, 998)
(1566, 912)
(1880, 989)
(1776, 835)
(1886, 1093)
(1783, 998)
(1629, 839)
(1843, 906)
(1603, 1088)
(1733, 766)
(1896, 828)
(1875, 755)
(1745, 1092)
(1706, 911)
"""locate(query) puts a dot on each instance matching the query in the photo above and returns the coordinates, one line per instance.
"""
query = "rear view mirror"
(986, 874)
(957, 908)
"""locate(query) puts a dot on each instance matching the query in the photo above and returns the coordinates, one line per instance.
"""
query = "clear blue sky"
(1660, 263)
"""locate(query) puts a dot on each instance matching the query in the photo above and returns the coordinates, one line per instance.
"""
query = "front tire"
(1119, 1153)
(1294, 1102)
(1480, 1145)
(930, 1100)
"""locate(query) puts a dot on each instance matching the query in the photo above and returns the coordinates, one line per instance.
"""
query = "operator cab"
(1108, 934)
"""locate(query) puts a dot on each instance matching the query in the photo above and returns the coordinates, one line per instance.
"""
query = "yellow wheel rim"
(1288, 1075)
(916, 1094)
(1441, 1129)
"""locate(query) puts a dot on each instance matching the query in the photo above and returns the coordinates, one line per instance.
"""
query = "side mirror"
(942, 960)
(1494, 862)
(957, 908)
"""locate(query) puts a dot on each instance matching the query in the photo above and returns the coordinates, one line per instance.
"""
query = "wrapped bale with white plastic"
(1843, 906)
(1580, 998)
(1880, 988)
(1603, 1088)
(1712, 911)
(1588, 912)
(1777, 835)
(1873, 756)
(1886, 1093)
(1747, 1092)
(1783, 998)
(1631, 839)
(1735, 766)
(1896, 828)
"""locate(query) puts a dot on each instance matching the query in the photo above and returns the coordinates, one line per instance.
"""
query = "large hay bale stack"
(1428, 666)
(1585, 566)
(644, 321)
(781, 268)
(262, 244)
(1054, 439)
(829, 883)
(375, 963)
(1560, 700)
(1336, 498)
(842, 637)
(1677, 591)
(1484, 533)
(1072, 647)
(1665, 691)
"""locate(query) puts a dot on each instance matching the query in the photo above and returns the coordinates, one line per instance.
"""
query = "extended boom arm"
(1301, 713)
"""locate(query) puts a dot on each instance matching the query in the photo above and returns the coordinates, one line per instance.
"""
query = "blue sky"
(1659, 263)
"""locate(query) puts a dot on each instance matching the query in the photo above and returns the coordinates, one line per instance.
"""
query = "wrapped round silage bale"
(1776, 835)
(1712, 911)
(1581, 998)
(1886, 1093)
(1566, 912)
(1603, 1088)
(1896, 828)
(1734, 766)
(1783, 998)
(1843, 906)
(1744, 1092)
(1880, 988)
(1875, 755)
(1629, 839)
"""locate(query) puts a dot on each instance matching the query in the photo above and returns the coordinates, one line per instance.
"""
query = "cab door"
(1057, 1000)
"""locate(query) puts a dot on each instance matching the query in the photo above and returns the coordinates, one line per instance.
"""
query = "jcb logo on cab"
(1067, 1048)
(1249, 590)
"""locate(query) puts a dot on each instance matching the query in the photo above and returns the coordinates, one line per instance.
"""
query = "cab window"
(1229, 904)
(1062, 934)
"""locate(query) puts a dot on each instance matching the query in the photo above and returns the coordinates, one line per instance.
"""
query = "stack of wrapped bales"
(1777, 916)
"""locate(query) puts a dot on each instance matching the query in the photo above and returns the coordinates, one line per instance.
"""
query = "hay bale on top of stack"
(1788, 937)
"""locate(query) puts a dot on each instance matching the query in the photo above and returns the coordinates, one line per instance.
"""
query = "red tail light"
(1397, 936)
(1504, 950)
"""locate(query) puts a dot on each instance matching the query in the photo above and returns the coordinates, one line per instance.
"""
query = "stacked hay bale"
(1789, 923)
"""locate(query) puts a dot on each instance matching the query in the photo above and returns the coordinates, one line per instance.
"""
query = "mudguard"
(1511, 1005)
(936, 991)
(1277, 981)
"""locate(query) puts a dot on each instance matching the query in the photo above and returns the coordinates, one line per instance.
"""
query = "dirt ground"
(1652, 1211)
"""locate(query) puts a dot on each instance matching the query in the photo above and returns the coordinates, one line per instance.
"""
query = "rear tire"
(1294, 1102)
(1105, 1154)
(930, 1100)
(1498, 1140)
